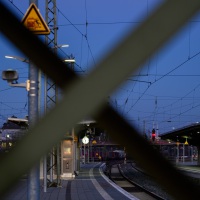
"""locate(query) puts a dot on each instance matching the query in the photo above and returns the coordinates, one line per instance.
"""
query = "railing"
(126, 58)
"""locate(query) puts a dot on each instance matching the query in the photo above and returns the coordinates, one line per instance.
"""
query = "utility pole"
(33, 185)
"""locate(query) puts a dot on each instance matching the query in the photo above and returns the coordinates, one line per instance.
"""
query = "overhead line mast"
(51, 90)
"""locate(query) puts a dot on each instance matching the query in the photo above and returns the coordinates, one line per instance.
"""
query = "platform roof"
(190, 133)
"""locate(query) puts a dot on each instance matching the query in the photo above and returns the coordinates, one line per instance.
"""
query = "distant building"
(12, 131)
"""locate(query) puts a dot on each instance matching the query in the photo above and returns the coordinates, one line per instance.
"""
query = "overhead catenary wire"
(158, 77)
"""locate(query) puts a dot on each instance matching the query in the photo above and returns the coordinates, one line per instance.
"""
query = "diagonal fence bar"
(93, 106)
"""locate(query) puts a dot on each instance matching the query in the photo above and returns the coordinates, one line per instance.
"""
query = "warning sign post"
(34, 21)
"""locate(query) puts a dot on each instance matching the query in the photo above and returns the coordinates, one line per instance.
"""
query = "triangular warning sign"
(34, 21)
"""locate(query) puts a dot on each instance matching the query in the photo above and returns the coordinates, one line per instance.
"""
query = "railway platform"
(90, 184)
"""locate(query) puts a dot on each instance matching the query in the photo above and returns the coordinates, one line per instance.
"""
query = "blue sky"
(164, 93)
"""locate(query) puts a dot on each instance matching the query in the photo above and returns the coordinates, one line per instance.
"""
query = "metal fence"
(124, 60)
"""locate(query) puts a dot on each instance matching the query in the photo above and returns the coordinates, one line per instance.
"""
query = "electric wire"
(75, 27)
(11, 1)
(157, 76)
(180, 65)
(158, 79)
(102, 23)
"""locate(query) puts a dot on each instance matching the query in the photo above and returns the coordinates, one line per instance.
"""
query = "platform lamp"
(18, 58)
(69, 60)
(27, 60)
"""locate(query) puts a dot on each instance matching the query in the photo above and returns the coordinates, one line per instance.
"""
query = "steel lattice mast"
(51, 41)
(51, 90)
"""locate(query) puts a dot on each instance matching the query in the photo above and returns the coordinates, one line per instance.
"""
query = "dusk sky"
(164, 93)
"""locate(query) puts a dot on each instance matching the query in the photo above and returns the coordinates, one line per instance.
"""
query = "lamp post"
(33, 181)
(32, 85)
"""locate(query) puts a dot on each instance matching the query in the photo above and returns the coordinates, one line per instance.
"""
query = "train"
(116, 155)
(109, 155)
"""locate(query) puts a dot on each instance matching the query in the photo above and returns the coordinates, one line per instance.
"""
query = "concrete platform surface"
(90, 184)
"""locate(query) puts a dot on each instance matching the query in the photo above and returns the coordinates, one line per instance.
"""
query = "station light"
(153, 135)
(69, 60)
(18, 58)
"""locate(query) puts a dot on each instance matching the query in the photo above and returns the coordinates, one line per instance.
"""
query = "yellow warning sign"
(34, 21)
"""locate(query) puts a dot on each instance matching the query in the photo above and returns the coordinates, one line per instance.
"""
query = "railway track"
(132, 179)
(117, 176)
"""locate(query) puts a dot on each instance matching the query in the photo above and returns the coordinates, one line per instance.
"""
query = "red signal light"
(153, 135)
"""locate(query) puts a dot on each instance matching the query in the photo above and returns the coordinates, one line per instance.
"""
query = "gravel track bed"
(144, 180)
